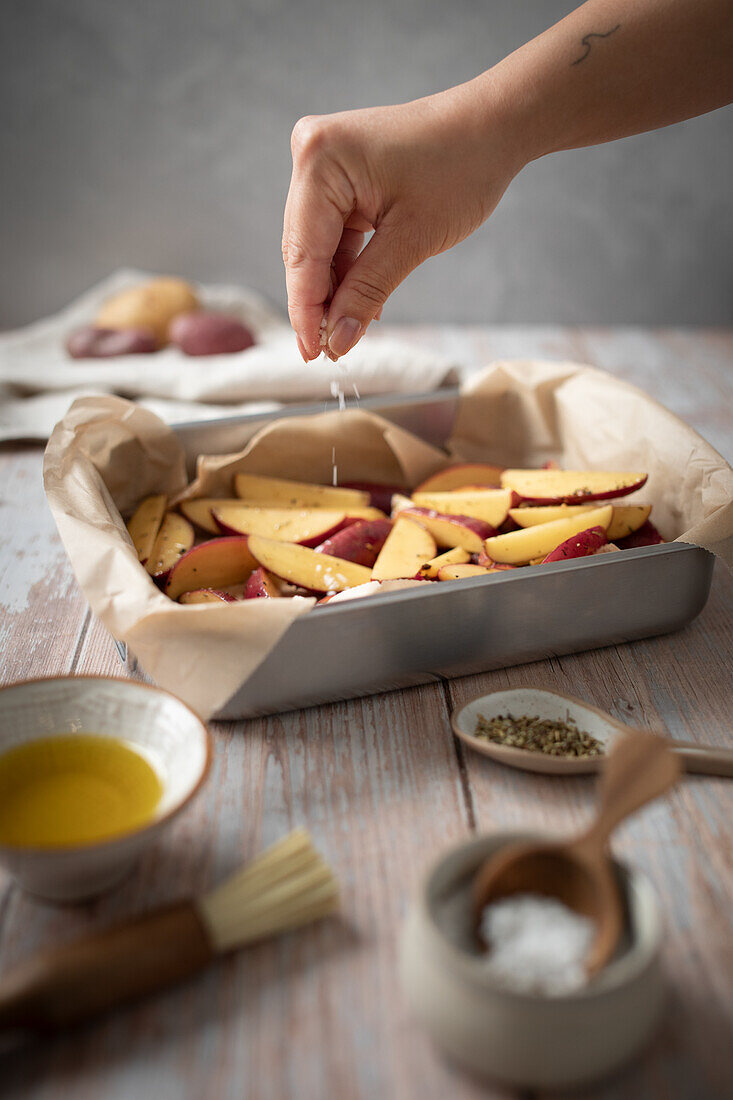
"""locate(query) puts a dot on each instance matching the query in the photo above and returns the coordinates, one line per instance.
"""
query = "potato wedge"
(571, 486)
(520, 547)
(459, 572)
(456, 556)
(460, 475)
(451, 531)
(578, 546)
(489, 505)
(277, 492)
(309, 527)
(145, 523)
(307, 568)
(626, 517)
(360, 542)
(206, 595)
(213, 564)
(174, 538)
(408, 546)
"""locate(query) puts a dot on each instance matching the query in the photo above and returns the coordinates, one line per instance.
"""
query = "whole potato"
(209, 334)
(91, 342)
(151, 305)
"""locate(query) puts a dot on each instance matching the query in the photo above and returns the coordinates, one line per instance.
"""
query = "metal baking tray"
(462, 627)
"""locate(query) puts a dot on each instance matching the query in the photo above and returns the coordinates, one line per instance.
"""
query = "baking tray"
(456, 628)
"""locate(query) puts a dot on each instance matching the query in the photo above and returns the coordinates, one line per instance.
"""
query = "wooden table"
(383, 786)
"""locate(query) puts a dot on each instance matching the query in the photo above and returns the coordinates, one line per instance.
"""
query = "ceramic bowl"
(525, 1040)
(161, 727)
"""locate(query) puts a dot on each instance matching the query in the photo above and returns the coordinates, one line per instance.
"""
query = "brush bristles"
(288, 885)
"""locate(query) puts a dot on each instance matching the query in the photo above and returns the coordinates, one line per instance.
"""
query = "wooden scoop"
(579, 872)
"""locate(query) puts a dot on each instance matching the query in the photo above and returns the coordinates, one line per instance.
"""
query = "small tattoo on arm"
(585, 40)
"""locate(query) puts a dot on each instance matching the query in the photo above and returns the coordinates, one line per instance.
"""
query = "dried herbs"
(538, 735)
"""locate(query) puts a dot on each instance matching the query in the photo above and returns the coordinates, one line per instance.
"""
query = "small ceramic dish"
(167, 732)
(545, 704)
(525, 1040)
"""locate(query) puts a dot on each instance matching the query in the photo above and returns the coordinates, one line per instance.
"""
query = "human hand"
(422, 175)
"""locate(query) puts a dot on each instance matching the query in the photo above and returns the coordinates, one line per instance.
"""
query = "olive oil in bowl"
(74, 789)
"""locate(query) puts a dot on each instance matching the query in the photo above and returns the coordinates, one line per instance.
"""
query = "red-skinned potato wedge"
(547, 513)
(309, 527)
(465, 473)
(571, 486)
(459, 572)
(626, 518)
(198, 511)
(307, 568)
(260, 584)
(450, 531)
(277, 492)
(489, 505)
(520, 547)
(408, 546)
(380, 496)
(579, 546)
(213, 564)
(206, 595)
(490, 564)
(175, 537)
(144, 524)
(360, 542)
(647, 535)
(429, 571)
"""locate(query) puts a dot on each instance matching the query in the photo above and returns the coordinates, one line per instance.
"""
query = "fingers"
(312, 234)
(350, 245)
(389, 257)
(313, 227)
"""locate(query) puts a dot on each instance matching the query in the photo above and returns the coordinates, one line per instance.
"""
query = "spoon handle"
(638, 769)
(704, 759)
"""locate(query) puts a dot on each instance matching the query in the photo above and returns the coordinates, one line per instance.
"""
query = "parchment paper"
(107, 454)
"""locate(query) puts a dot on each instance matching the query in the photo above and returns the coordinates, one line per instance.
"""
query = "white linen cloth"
(38, 380)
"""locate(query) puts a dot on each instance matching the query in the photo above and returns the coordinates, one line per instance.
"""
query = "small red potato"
(91, 342)
(202, 333)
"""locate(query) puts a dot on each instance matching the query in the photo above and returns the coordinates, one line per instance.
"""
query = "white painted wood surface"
(383, 786)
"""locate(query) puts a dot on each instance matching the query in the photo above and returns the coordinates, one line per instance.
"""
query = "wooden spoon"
(580, 872)
(699, 759)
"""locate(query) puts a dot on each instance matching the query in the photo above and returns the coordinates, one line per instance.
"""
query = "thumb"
(388, 258)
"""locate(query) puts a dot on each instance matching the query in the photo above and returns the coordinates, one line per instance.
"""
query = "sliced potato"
(145, 523)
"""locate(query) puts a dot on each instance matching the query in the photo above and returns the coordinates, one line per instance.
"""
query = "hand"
(422, 175)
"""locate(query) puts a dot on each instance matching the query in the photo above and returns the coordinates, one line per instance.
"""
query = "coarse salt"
(536, 944)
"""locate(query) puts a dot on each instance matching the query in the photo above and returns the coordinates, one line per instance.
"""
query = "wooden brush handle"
(68, 984)
(639, 768)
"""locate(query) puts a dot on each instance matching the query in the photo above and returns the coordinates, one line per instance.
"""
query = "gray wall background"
(156, 133)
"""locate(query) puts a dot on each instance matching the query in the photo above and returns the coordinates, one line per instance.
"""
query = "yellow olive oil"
(74, 789)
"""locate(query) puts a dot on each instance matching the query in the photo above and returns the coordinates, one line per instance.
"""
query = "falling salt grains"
(335, 467)
(536, 944)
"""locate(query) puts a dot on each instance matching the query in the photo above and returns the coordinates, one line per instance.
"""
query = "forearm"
(610, 69)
